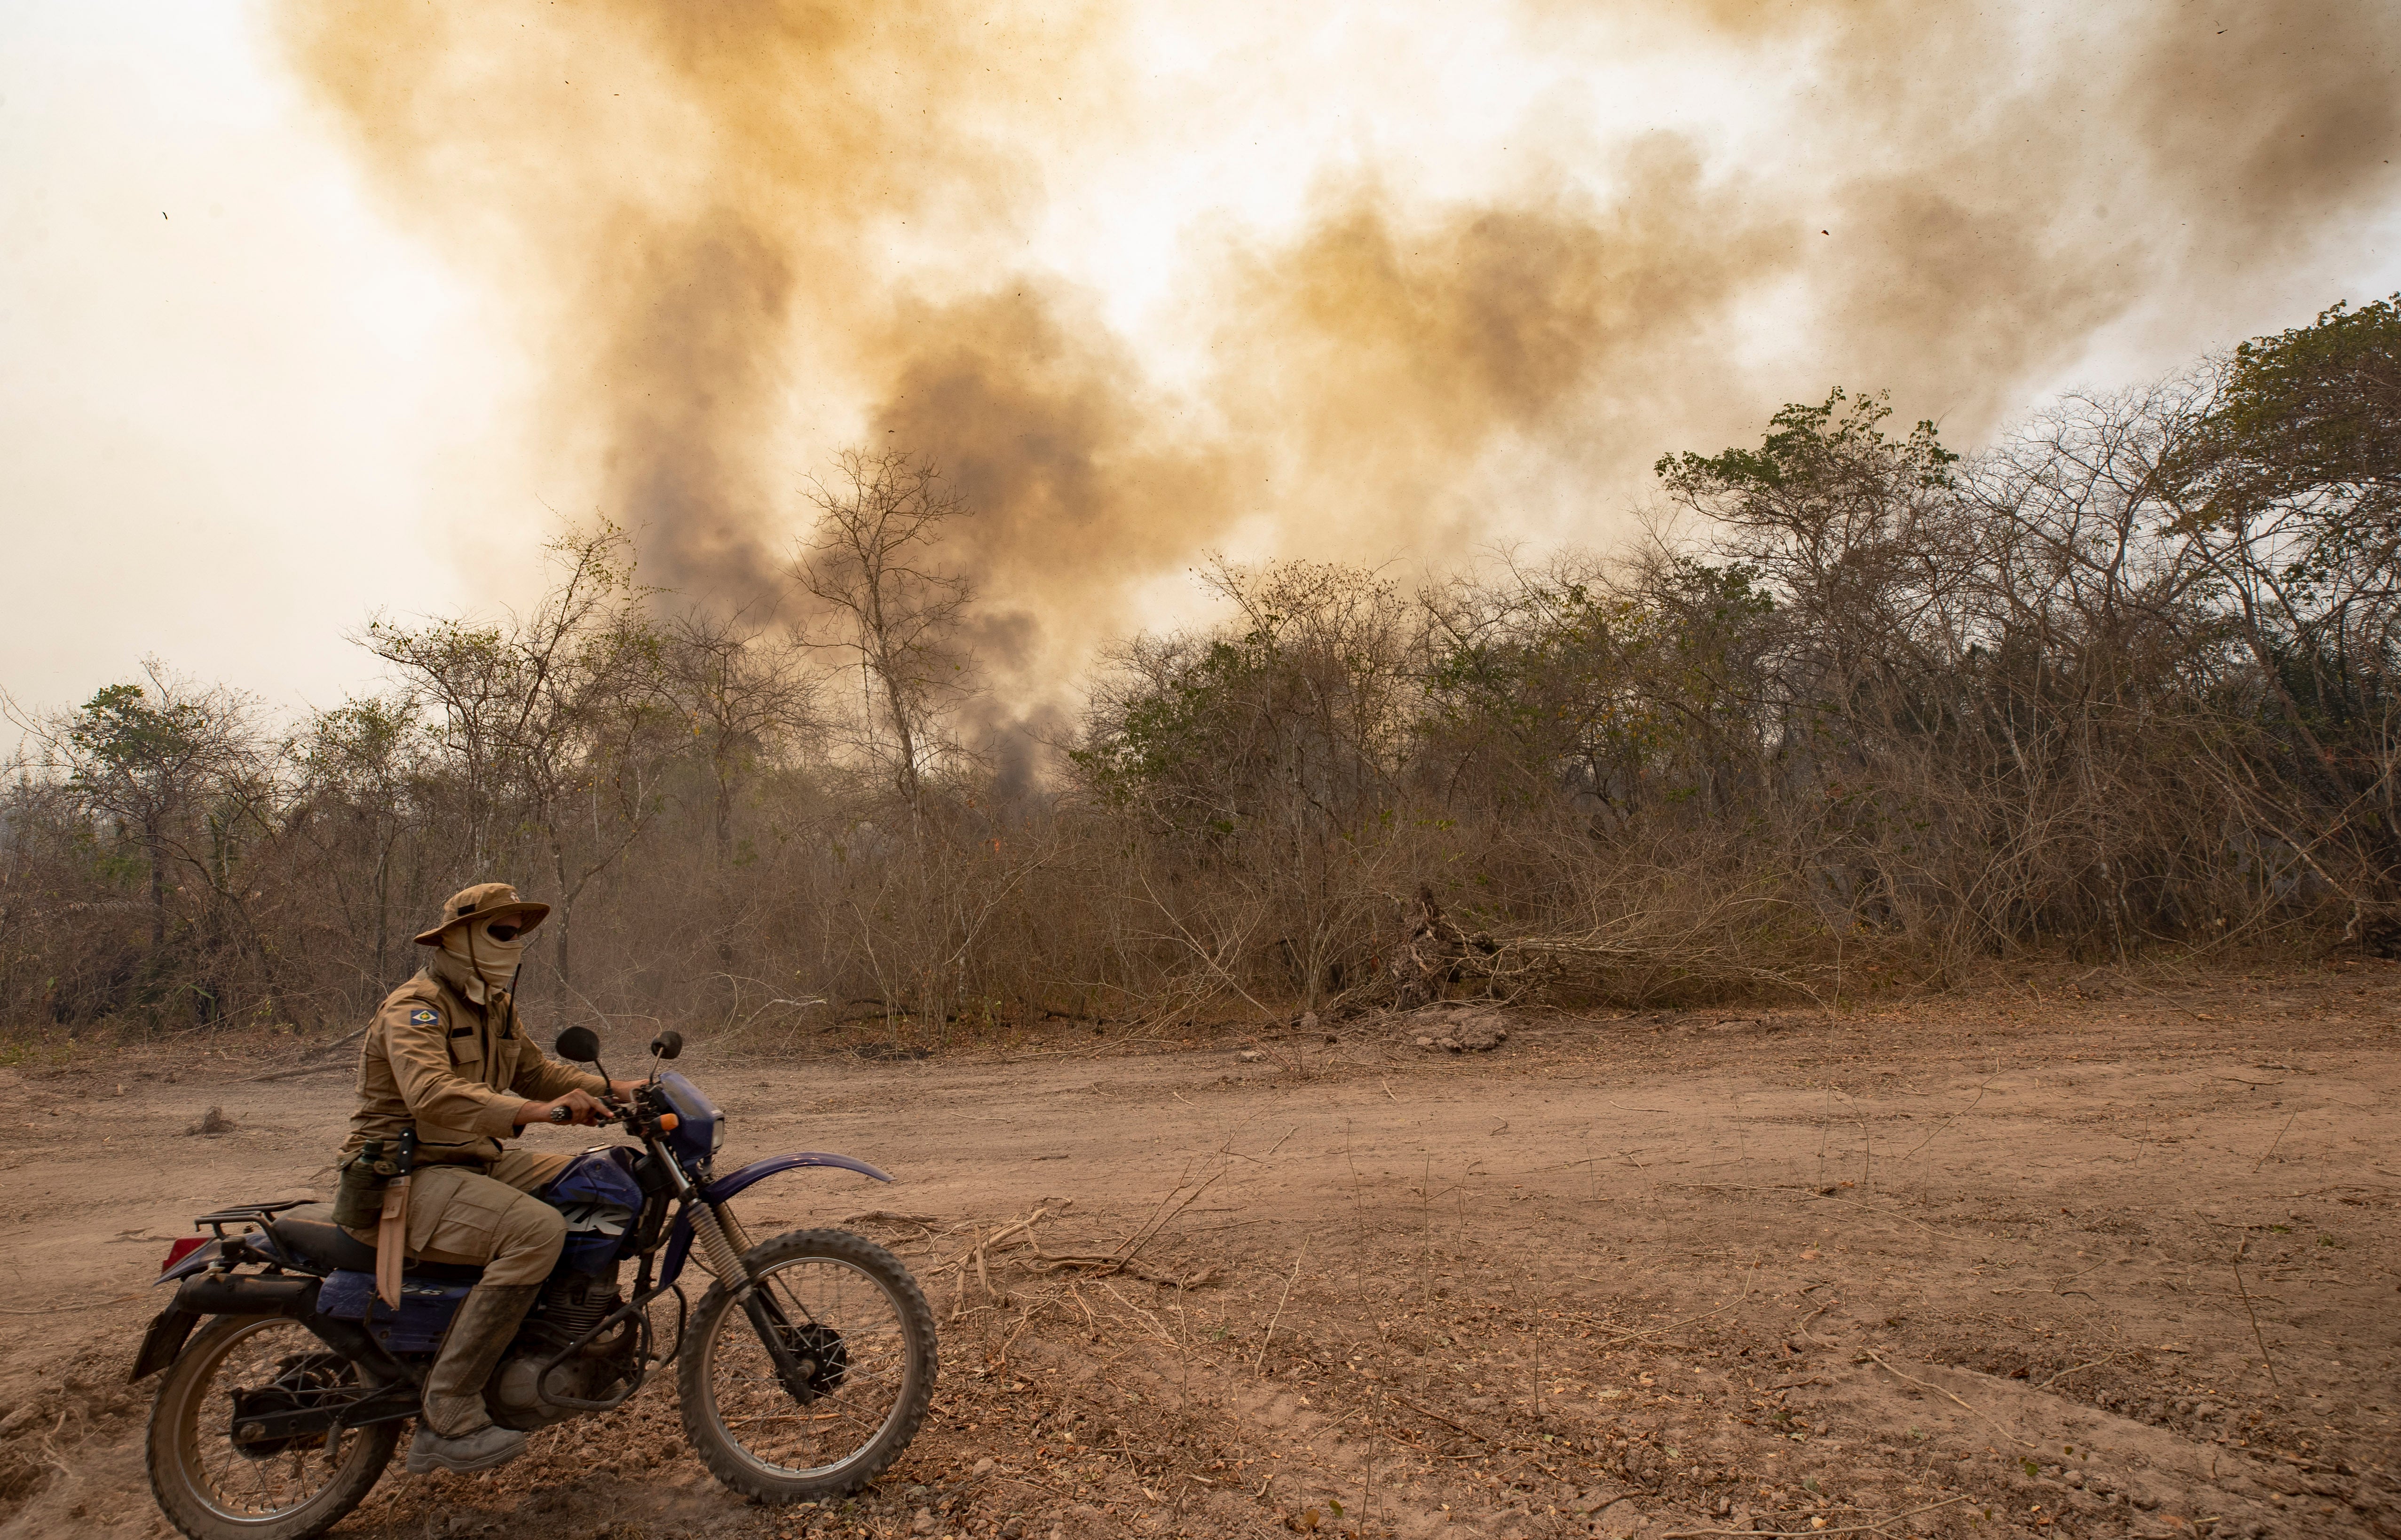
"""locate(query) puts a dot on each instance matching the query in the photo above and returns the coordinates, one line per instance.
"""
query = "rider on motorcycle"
(447, 1056)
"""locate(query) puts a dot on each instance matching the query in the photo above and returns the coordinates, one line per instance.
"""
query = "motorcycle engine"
(567, 1308)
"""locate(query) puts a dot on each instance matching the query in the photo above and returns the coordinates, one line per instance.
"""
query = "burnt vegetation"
(1862, 709)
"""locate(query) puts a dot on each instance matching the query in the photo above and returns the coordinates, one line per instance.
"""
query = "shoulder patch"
(424, 1015)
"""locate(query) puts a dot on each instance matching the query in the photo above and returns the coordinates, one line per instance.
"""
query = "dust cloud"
(744, 235)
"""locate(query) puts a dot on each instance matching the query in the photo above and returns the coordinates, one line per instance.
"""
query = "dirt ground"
(2078, 1256)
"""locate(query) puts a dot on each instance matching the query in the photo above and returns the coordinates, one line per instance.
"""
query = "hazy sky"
(305, 314)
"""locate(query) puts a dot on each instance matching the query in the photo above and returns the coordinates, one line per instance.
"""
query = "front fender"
(732, 1182)
(724, 1187)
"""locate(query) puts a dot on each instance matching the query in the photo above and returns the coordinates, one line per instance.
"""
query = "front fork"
(722, 1238)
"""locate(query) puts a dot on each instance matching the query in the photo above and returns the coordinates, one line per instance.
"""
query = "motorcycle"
(803, 1372)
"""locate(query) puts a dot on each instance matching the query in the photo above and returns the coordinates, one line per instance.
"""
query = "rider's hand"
(621, 1089)
(583, 1107)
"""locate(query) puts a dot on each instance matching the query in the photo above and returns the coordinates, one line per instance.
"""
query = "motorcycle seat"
(310, 1231)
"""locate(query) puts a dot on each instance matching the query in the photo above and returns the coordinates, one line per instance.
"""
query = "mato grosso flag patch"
(424, 1015)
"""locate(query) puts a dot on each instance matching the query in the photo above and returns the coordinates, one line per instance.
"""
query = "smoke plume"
(744, 235)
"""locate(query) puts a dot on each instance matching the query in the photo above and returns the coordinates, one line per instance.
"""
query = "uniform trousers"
(487, 1219)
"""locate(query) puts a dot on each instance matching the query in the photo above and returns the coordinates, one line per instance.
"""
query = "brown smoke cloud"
(718, 221)
(694, 206)
(1387, 351)
(2001, 184)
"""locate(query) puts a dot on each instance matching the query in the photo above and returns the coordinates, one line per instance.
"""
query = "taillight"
(182, 1249)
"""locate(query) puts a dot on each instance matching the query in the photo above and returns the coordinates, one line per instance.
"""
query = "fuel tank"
(598, 1196)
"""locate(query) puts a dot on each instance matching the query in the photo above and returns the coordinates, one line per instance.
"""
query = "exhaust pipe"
(241, 1294)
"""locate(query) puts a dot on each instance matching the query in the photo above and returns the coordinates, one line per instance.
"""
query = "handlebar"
(625, 1114)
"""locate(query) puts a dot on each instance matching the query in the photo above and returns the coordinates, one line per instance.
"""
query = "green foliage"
(1186, 721)
(1293, 717)
(1611, 693)
(1835, 449)
(126, 752)
(2314, 412)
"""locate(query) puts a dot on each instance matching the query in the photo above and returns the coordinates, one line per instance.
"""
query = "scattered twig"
(2272, 1143)
(66, 1309)
(1885, 1213)
(1279, 1309)
(1954, 1117)
(1947, 1396)
(1845, 1529)
(1653, 1331)
(1447, 1421)
(2257, 1335)
(2066, 1372)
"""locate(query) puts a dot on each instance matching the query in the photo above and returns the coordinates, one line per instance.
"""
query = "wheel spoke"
(282, 1363)
(839, 1317)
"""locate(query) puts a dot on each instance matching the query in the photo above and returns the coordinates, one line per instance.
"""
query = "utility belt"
(358, 1201)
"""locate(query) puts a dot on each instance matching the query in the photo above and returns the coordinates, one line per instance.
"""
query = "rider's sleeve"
(543, 1078)
(540, 1077)
(416, 1043)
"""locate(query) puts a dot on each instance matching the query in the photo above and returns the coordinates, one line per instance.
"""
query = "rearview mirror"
(580, 1046)
(667, 1045)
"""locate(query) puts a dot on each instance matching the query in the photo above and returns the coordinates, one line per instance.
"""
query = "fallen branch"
(1104, 1266)
(886, 1216)
(975, 1256)
(310, 1069)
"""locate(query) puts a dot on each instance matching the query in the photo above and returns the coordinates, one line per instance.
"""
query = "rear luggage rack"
(245, 1213)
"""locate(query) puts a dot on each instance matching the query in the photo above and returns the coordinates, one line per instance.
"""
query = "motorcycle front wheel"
(848, 1312)
(213, 1488)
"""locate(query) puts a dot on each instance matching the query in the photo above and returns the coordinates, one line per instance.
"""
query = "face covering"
(491, 964)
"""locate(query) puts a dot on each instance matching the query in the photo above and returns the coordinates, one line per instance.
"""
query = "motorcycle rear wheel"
(208, 1487)
(854, 1310)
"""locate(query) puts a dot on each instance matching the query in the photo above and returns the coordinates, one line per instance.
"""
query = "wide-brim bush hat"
(484, 901)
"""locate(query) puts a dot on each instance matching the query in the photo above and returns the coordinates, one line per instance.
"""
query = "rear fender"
(162, 1341)
(198, 1260)
(726, 1186)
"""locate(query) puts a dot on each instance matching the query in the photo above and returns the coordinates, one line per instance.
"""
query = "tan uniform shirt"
(457, 1072)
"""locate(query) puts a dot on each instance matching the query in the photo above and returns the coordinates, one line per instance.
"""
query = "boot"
(454, 1432)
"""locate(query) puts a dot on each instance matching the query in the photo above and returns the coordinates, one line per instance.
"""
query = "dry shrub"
(2122, 685)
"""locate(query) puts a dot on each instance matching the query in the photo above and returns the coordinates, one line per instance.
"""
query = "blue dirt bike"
(803, 1371)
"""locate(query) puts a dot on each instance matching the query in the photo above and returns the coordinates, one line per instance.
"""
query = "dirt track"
(1996, 1261)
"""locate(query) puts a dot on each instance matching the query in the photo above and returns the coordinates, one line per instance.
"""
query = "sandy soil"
(2118, 1262)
